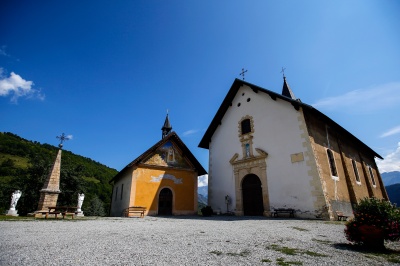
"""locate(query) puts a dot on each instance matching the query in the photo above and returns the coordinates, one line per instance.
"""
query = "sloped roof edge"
(205, 141)
(185, 150)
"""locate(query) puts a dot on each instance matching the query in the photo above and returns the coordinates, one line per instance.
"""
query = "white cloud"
(3, 51)
(391, 162)
(393, 131)
(16, 86)
(189, 132)
(363, 100)
(202, 181)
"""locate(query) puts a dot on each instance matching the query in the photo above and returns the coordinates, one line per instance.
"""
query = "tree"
(95, 207)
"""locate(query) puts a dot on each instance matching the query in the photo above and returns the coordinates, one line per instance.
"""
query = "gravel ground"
(182, 241)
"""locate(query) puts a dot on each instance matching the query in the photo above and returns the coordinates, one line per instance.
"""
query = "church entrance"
(252, 196)
(165, 202)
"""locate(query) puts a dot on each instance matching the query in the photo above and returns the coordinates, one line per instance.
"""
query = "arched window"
(246, 126)
(355, 171)
(372, 176)
(332, 164)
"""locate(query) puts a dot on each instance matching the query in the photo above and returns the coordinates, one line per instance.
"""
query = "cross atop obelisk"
(62, 138)
(51, 187)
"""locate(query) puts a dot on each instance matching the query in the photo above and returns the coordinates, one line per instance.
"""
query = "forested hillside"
(25, 165)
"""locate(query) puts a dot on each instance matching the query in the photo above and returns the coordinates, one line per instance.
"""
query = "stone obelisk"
(51, 188)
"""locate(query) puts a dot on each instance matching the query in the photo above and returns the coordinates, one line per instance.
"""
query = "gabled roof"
(178, 142)
(205, 141)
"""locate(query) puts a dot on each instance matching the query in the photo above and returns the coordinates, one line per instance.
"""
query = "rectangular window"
(122, 190)
(246, 126)
(116, 193)
(355, 171)
(372, 176)
(332, 164)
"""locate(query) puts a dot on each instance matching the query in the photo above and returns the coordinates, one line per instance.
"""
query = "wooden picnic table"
(63, 210)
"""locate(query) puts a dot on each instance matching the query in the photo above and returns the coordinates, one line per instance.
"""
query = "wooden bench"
(276, 212)
(341, 216)
(128, 212)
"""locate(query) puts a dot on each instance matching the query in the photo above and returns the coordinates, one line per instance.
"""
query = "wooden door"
(165, 202)
(252, 196)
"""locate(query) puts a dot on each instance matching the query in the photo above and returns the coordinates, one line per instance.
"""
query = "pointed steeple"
(166, 127)
(286, 91)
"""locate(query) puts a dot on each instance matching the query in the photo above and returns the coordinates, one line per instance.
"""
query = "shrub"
(375, 215)
(207, 211)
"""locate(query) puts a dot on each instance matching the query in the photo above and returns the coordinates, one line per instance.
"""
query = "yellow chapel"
(163, 179)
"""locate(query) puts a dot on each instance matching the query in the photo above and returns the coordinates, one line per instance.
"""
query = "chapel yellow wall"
(145, 193)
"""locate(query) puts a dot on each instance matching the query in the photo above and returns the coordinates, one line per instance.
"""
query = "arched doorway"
(252, 196)
(165, 202)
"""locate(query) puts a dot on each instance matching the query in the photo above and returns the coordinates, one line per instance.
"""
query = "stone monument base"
(12, 213)
(79, 214)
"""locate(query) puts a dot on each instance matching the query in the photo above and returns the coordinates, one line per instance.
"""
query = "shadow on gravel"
(226, 218)
(390, 255)
(359, 248)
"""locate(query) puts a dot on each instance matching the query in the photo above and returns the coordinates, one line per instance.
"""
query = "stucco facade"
(281, 144)
(167, 167)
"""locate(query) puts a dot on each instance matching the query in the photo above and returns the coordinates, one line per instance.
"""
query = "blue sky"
(106, 73)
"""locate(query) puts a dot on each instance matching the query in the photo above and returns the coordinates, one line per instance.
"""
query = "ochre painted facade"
(146, 191)
(167, 166)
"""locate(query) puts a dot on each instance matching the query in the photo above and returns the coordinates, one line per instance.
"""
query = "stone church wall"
(342, 190)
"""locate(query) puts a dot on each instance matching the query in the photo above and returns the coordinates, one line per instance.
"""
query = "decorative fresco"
(167, 155)
(166, 176)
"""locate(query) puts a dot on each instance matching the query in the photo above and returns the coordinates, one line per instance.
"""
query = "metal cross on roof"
(242, 73)
(62, 138)
(283, 72)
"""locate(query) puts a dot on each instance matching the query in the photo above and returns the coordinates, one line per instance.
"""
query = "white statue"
(14, 199)
(81, 197)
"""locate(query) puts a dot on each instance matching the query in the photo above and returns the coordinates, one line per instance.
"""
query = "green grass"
(216, 252)
(19, 162)
(15, 218)
(91, 179)
(244, 253)
(314, 254)
(321, 241)
(282, 262)
(392, 256)
(388, 254)
(295, 251)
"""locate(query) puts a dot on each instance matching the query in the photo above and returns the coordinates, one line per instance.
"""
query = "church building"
(163, 179)
(270, 150)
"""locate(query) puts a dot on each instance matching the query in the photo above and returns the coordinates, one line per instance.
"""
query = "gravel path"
(180, 241)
